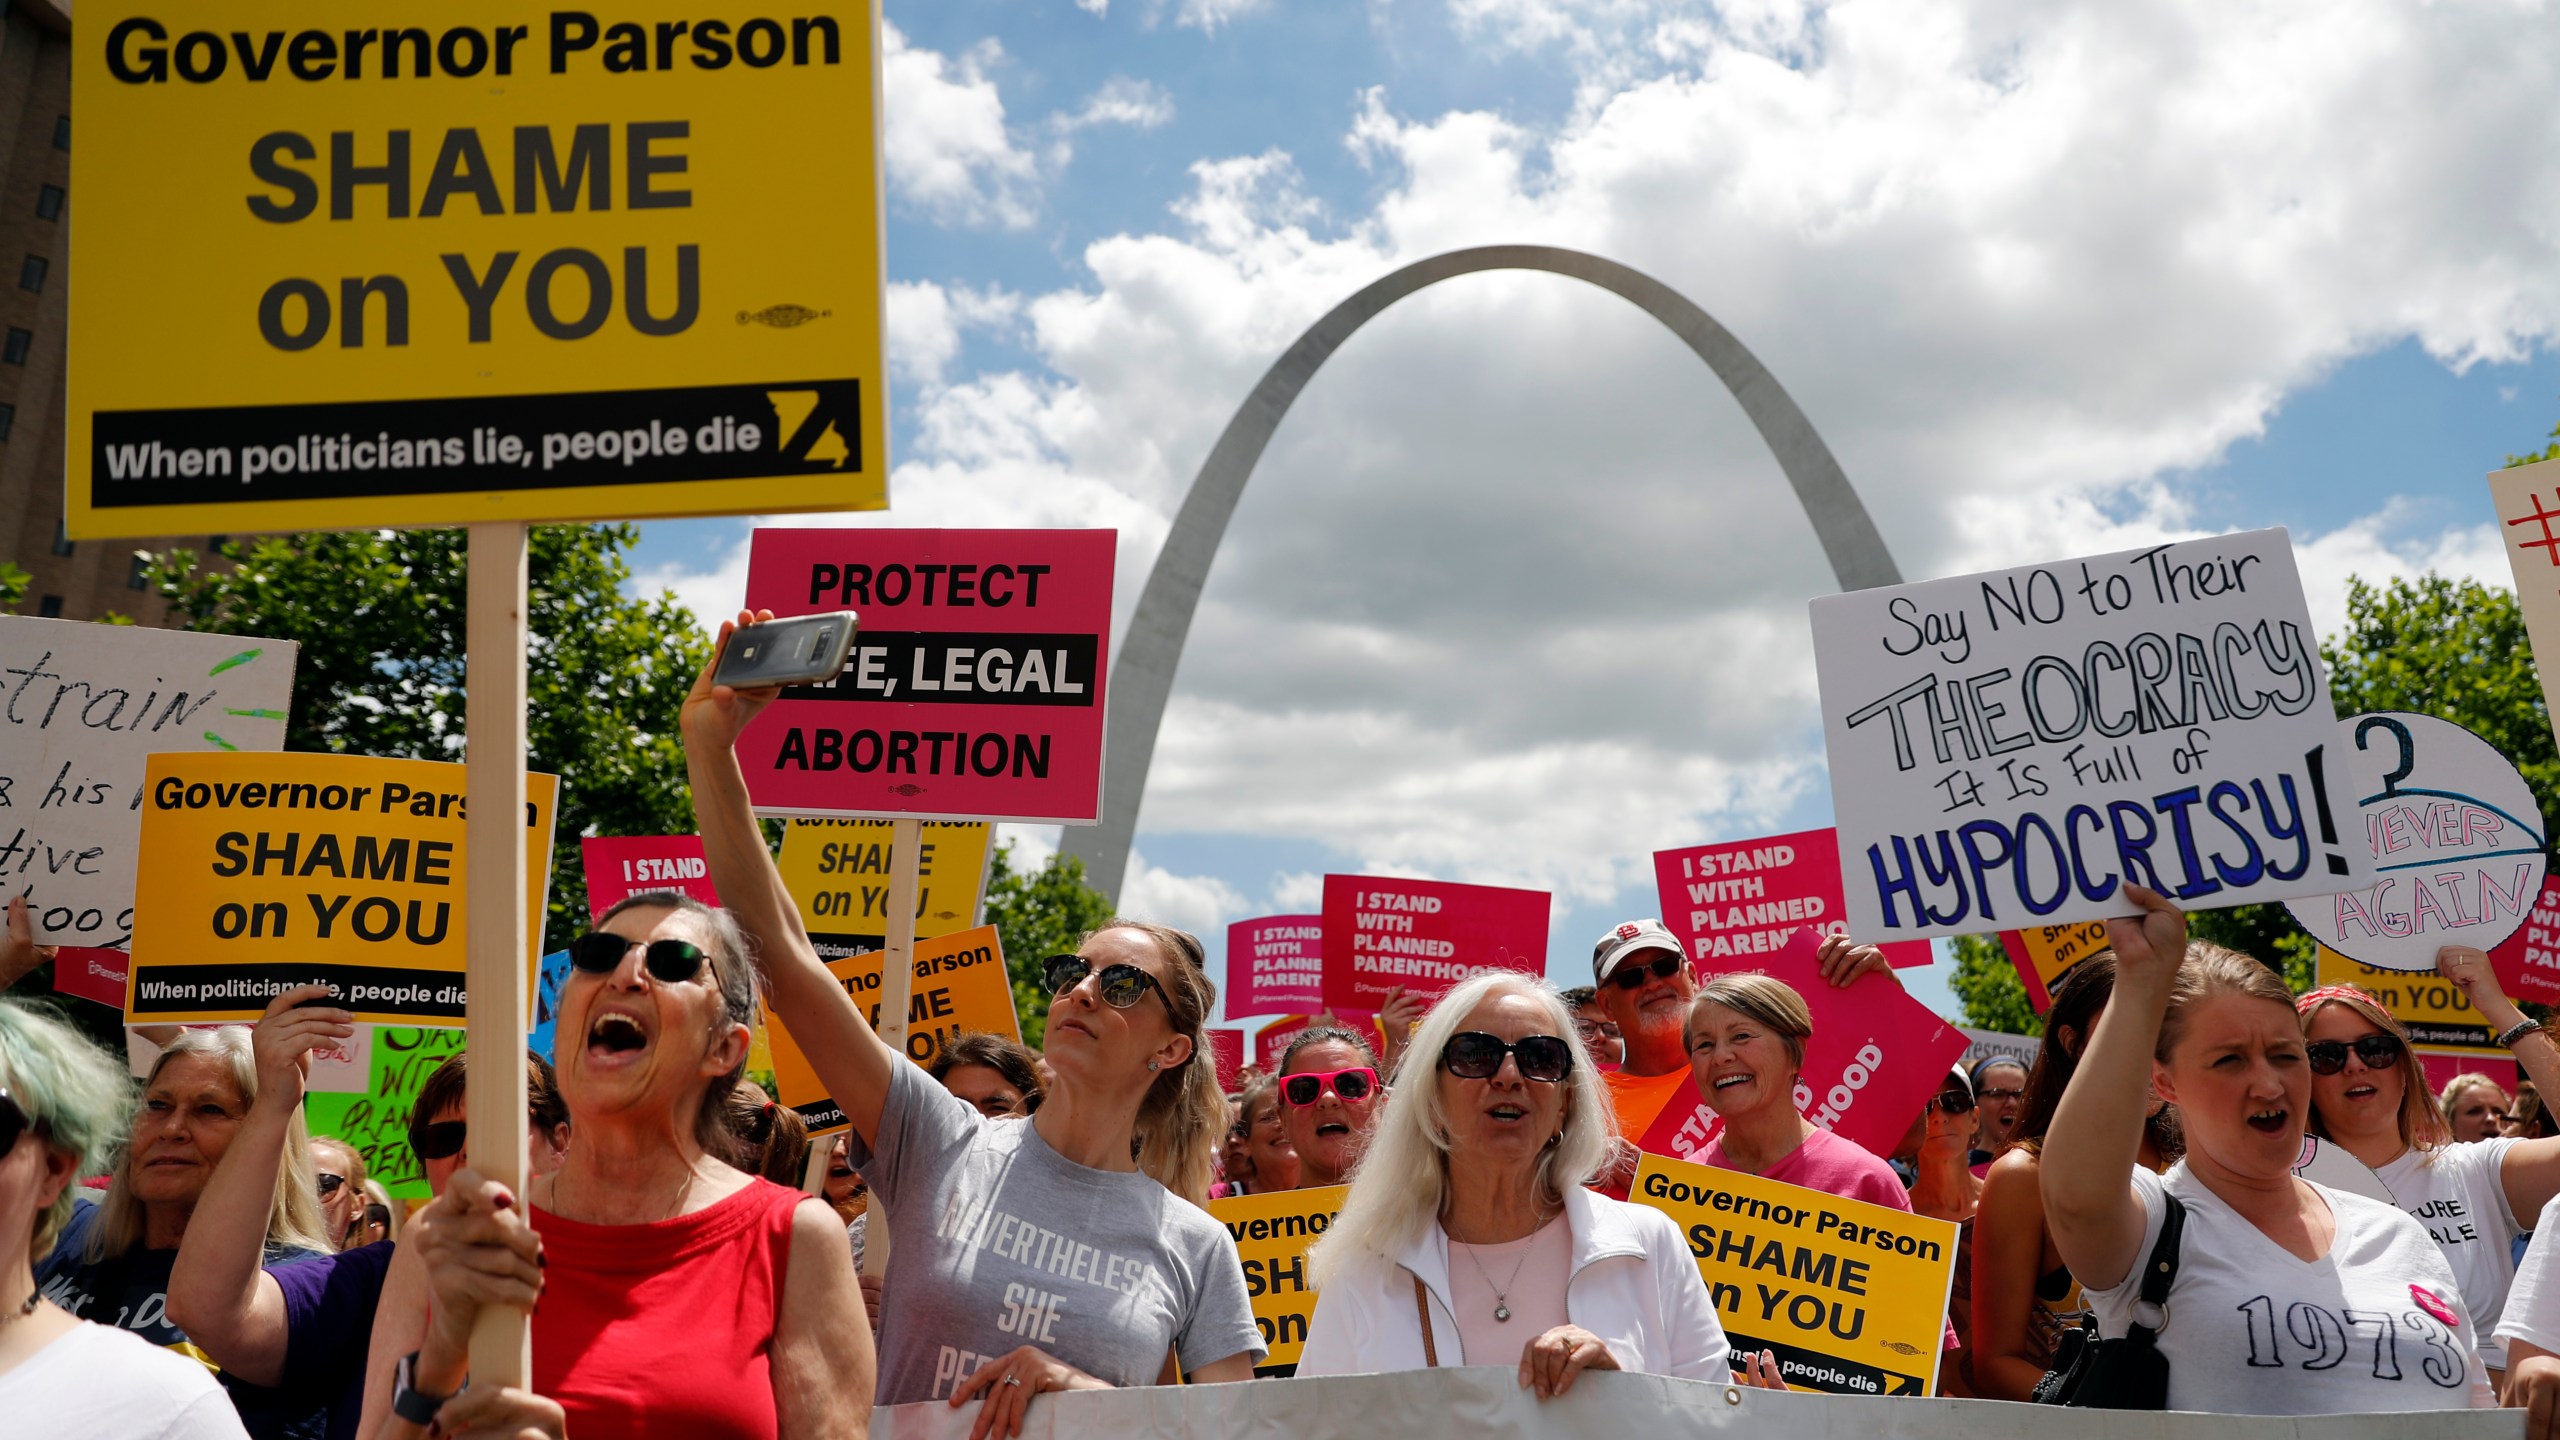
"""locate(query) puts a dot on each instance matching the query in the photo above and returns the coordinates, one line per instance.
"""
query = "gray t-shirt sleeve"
(923, 1129)
(1222, 1322)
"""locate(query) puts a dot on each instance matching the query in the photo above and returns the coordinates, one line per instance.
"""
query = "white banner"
(2456, 838)
(82, 707)
(1981, 1045)
(2013, 748)
(1487, 1403)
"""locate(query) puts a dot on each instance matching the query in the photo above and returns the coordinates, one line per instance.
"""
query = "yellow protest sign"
(838, 871)
(1851, 1297)
(960, 989)
(2044, 953)
(263, 872)
(1272, 1234)
(2438, 1014)
(470, 261)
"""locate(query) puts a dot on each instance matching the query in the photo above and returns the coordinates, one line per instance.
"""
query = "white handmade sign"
(2456, 839)
(2014, 748)
(81, 708)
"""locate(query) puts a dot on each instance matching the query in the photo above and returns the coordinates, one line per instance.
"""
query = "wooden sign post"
(493, 901)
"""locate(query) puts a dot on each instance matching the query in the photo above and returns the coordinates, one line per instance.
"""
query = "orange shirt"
(1639, 1099)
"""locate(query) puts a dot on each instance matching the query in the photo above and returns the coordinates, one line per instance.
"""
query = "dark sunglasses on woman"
(2328, 1057)
(1475, 1055)
(1353, 1085)
(329, 1184)
(1121, 988)
(14, 1122)
(1631, 976)
(670, 961)
(1954, 1102)
(440, 1141)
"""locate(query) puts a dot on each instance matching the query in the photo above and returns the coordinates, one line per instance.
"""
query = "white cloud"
(950, 154)
(1095, 8)
(1517, 595)
(926, 322)
(1142, 104)
(1206, 15)
(1201, 904)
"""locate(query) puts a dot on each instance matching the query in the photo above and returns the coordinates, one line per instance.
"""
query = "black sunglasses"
(1122, 987)
(440, 1141)
(329, 1184)
(1954, 1102)
(2328, 1057)
(1474, 1055)
(668, 960)
(14, 1122)
(1632, 976)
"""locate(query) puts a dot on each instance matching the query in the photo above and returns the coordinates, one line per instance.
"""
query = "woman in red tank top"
(671, 1302)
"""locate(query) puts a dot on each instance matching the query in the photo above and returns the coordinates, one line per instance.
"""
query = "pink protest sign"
(1272, 1040)
(1875, 1057)
(90, 974)
(1226, 1049)
(1747, 897)
(1275, 965)
(620, 866)
(2528, 964)
(1424, 935)
(974, 690)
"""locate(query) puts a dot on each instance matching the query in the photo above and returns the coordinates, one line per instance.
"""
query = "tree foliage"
(1987, 986)
(1037, 914)
(379, 615)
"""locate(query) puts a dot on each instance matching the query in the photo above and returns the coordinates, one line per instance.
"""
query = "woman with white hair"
(114, 1259)
(62, 1109)
(1468, 1238)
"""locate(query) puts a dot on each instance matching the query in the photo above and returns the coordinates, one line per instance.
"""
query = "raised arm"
(2096, 1140)
(2531, 1171)
(228, 1306)
(19, 952)
(852, 1061)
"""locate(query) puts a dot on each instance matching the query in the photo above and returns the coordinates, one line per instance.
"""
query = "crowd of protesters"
(1011, 1223)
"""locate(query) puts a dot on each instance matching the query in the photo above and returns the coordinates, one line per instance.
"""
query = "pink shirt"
(1827, 1163)
(1527, 1274)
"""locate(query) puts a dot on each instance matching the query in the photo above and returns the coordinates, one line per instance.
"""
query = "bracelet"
(411, 1403)
(2508, 1037)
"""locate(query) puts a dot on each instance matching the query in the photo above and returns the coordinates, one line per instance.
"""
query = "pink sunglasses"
(1354, 1086)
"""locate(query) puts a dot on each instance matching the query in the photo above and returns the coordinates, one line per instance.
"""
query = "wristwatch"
(411, 1403)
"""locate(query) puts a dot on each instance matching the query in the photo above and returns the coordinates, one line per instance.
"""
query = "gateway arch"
(1142, 674)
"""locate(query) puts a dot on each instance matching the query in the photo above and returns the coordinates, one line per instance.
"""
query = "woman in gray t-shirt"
(1067, 1251)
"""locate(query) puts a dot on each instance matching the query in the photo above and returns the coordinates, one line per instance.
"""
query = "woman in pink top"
(1746, 1037)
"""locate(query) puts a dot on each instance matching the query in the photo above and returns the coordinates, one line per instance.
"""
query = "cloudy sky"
(1517, 596)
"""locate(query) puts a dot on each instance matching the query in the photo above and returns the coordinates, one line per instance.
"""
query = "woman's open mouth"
(2269, 1122)
(615, 1033)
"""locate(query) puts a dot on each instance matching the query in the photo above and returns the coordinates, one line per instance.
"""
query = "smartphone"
(803, 650)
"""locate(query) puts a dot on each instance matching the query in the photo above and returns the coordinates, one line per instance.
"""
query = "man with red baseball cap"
(1645, 985)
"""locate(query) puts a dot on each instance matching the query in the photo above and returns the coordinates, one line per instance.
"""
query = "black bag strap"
(2161, 1270)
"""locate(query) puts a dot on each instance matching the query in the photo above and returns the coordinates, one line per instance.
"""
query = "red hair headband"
(2326, 993)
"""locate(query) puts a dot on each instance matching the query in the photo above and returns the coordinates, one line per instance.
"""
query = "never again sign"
(470, 261)
(2014, 748)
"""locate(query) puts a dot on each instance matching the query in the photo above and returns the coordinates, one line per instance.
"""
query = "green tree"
(1986, 984)
(13, 587)
(379, 617)
(1037, 914)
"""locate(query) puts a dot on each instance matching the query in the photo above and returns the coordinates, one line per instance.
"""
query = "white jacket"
(1633, 1284)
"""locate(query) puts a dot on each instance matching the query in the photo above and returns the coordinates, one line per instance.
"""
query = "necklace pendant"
(1501, 1311)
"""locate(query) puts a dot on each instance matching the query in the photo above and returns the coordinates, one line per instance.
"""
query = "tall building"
(77, 580)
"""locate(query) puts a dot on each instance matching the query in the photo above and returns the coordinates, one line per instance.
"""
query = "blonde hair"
(1183, 1118)
(1403, 1179)
(2209, 971)
(1764, 998)
(293, 1219)
(2422, 1126)
(2453, 1088)
(77, 1094)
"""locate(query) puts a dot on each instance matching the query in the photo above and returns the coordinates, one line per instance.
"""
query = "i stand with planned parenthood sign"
(525, 268)
(2012, 749)
(2456, 839)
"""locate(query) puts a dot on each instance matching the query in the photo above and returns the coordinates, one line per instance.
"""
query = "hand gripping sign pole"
(494, 903)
